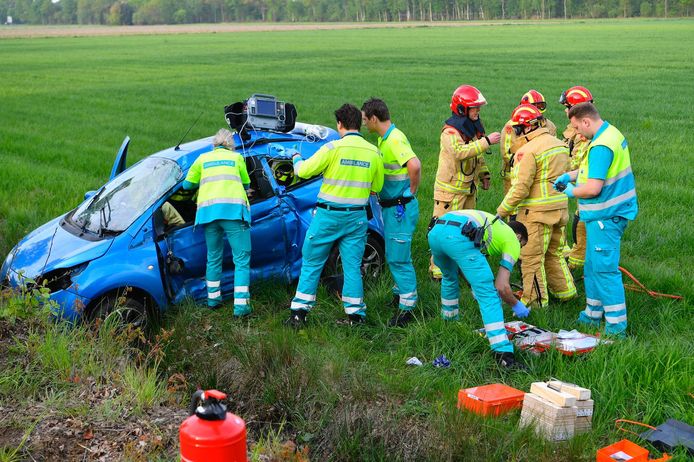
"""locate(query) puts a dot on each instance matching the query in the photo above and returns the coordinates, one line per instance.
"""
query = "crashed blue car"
(115, 248)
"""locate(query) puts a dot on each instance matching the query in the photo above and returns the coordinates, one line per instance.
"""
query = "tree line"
(128, 12)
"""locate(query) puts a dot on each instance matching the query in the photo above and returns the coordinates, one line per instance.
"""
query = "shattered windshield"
(122, 200)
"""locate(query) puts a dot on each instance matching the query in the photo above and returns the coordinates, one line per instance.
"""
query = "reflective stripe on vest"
(618, 195)
(220, 182)
(348, 177)
(480, 219)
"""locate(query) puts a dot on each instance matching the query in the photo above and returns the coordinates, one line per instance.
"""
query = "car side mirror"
(89, 194)
(158, 223)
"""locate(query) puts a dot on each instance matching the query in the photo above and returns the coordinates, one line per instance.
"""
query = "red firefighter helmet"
(465, 97)
(526, 115)
(535, 98)
(575, 95)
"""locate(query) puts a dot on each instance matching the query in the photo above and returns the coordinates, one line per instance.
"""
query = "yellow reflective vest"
(351, 167)
(221, 177)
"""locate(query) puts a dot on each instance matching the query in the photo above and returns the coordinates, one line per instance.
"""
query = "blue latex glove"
(564, 179)
(569, 191)
(407, 193)
(441, 361)
(520, 310)
(296, 158)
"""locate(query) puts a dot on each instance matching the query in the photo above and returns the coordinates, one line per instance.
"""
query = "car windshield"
(122, 200)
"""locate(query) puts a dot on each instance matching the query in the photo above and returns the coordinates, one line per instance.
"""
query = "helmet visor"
(541, 106)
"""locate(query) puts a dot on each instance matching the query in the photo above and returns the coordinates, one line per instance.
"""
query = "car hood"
(50, 247)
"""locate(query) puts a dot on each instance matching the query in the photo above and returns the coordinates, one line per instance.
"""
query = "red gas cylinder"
(211, 434)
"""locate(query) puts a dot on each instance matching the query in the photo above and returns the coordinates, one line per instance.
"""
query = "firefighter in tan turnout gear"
(509, 141)
(461, 158)
(578, 149)
(540, 159)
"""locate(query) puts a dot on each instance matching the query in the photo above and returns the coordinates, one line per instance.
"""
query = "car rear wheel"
(371, 265)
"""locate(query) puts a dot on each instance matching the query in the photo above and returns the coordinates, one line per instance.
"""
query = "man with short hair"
(541, 158)
(402, 171)
(458, 241)
(606, 193)
(351, 169)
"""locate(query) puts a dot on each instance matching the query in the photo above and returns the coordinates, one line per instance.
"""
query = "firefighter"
(509, 140)
(544, 212)
(457, 241)
(578, 148)
(351, 168)
(461, 157)
(402, 170)
(606, 193)
(223, 210)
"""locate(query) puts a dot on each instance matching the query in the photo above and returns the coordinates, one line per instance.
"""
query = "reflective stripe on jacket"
(578, 146)
(509, 144)
(540, 162)
(461, 164)
(351, 167)
(618, 195)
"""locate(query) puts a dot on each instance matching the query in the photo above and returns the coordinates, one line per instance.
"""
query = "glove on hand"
(569, 191)
(407, 193)
(562, 179)
(520, 310)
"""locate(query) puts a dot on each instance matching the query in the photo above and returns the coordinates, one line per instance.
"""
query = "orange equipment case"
(490, 400)
(636, 452)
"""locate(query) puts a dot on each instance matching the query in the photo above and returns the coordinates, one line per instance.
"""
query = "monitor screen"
(266, 108)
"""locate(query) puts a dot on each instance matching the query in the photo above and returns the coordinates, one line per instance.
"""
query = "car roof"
(187, 153)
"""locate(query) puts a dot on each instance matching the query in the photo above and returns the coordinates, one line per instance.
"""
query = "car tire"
(372, 263)
(133, 310)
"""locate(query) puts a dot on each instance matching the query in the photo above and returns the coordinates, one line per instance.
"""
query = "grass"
(347, 395)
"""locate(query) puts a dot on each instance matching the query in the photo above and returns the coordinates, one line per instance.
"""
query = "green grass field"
(67, 103)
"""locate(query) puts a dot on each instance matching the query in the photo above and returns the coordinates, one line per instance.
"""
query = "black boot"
(508, 361)
(297, 319)
(401, 319)
(355, 320)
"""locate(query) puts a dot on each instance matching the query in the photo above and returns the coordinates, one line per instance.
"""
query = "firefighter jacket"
(461, 164)
(510, 144)
(578, 146)
(540, 162)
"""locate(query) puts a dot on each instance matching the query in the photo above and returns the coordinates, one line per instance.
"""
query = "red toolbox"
(490, 400)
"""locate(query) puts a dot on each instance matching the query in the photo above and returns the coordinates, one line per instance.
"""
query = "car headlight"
(61, 278)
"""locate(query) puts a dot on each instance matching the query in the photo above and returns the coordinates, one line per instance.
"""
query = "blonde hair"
(224, 138)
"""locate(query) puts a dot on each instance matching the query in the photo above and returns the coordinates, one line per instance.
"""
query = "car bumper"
(64, 304)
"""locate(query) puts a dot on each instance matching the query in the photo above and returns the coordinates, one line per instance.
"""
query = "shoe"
(242, 313)
(297, 319)
(401, 319)
(353, 320)
(508, 361)
(214, 306)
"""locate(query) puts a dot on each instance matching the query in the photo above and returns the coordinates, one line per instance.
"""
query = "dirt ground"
(18, 31)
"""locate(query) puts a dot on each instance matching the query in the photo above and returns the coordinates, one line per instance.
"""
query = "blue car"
(116, 249)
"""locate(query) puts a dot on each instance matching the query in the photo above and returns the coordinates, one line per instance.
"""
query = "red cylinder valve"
(211, 434)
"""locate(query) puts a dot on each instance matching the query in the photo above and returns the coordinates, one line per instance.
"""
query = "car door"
(184, 252)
